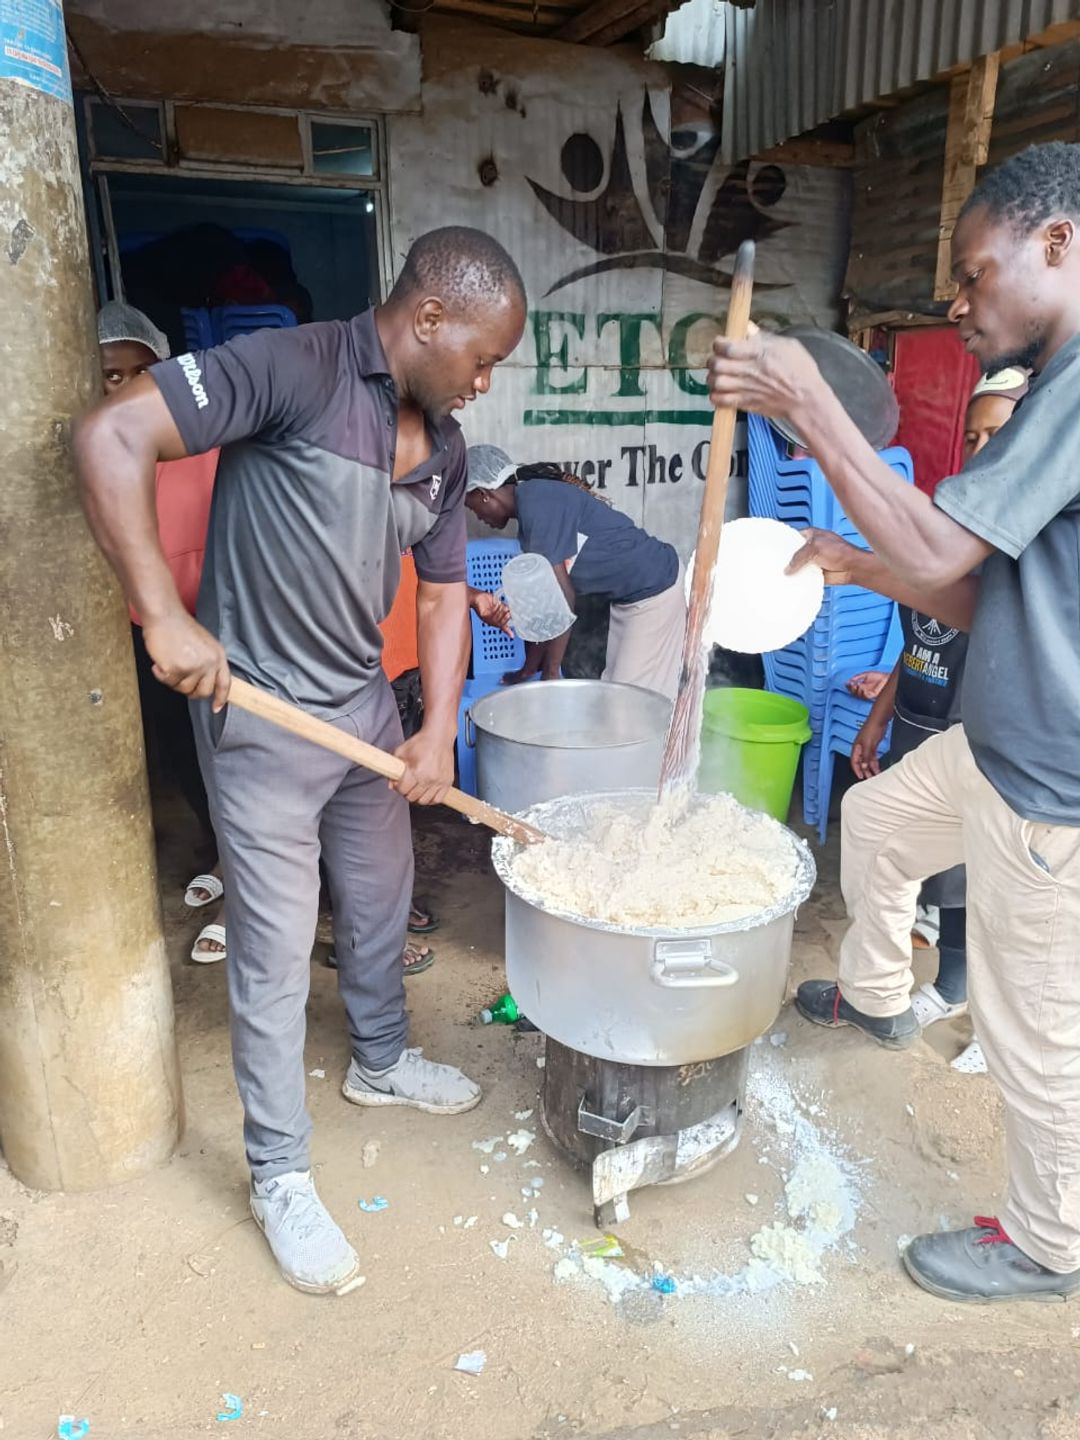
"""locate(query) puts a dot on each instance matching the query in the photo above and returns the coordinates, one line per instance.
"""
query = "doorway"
(187, 244)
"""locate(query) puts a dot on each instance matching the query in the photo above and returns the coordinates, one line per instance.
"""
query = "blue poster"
(34, 49)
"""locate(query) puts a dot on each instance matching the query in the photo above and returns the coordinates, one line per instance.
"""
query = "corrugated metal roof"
(899, 168)
(793, 64)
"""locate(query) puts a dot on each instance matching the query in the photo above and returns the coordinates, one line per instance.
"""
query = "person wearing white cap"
(130, 343)
(921, 698)
(593, 550)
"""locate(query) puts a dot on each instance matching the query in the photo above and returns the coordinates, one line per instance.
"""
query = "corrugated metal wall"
(793, 64)
(899, 162)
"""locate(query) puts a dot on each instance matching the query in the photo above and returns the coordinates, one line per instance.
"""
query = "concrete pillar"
(89, 1081)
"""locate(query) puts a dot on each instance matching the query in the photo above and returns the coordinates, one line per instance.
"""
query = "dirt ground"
(154, 1310)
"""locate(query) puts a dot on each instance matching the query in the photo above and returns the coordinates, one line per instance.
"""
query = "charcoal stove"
(647, 1028)
(636, 1125)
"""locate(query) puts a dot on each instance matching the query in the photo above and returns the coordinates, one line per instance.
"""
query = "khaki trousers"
(934, 810)
(645, 641)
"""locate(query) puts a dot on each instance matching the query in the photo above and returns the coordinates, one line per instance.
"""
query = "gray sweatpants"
(277, 803)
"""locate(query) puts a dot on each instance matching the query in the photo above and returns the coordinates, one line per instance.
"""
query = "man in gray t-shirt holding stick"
(1001, 792)
(338, 452)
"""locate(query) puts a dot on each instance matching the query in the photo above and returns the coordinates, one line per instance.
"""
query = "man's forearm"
(442, 635)
(116, 470)
(954, 604)
(903, 526)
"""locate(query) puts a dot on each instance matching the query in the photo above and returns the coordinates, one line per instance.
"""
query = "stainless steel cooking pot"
(546, 739)
(638, 995)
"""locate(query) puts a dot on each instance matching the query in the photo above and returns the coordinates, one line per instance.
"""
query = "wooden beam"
(890, 320)
(542, 18)
(605, 21)
(967, 145)
(646, 13)
(979, 110)
(839, 154)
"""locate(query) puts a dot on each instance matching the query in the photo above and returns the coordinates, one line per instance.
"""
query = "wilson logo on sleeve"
(193, 375)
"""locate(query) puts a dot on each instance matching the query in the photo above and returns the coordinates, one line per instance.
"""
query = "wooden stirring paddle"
(680, 749)
(299, 722)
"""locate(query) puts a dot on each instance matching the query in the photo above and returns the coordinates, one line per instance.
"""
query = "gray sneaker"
(981, 1265)
(438, 1089)
(307, 1244)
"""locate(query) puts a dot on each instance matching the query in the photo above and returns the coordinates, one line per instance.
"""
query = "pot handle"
(689, 964)
(470, 731)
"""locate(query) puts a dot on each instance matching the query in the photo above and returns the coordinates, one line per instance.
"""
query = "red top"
(183, 491)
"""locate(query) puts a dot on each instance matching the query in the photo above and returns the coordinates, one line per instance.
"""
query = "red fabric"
(242, 285)
(183, 491)
(933, 376)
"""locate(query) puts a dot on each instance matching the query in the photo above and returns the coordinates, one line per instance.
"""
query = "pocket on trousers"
(1054, 851)
(221, 727)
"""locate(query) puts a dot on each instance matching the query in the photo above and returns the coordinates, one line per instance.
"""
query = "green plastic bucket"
(750, 746)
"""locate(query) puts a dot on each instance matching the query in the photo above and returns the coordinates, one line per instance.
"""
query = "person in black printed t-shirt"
(922, 698)
(995, 552)
(593, 549)
(339, 451)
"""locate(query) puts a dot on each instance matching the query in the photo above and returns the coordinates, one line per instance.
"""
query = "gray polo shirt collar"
(372, 363)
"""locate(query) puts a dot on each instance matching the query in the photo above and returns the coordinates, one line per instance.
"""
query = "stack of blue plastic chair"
(853, 626)
(493, 651)
(198, 329)
(232, 320)
(845, 715)
(203, 329)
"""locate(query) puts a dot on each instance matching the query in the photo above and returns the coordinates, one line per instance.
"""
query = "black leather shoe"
(981, 1265)
(821, 1002)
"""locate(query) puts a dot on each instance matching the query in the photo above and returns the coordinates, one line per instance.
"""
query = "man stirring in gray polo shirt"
(338, 452)
(1002, 790)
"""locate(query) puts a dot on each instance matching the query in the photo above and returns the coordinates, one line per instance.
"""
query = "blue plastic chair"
(844, 717)
(232, 320)
(198, 329)
(493, 651)
(853, 628)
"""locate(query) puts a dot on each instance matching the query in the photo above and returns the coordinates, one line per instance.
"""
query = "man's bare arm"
(117, 446)
(847, 564)
(443, 644)
(913, 536)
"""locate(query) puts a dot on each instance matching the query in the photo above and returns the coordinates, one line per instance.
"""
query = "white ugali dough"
(663, 865)
(756, 607)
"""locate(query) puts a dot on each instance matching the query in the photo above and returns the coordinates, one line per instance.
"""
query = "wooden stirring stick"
(680, 749)
(299, 722)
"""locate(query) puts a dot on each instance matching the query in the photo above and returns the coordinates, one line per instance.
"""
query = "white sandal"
(930, 1006)
(971, 1061)
(210, 883)
(209, 957)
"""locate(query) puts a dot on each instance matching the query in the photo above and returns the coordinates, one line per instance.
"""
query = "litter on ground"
(487, 1146)
(232, 1406)
(472, 1362)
